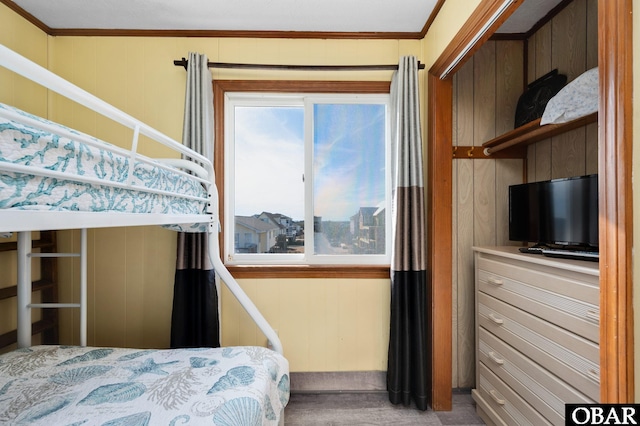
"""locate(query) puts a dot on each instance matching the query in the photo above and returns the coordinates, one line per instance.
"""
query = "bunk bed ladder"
(46, 286)
(25, 255)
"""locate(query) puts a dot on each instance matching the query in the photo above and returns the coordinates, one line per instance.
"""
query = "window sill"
(309, 271)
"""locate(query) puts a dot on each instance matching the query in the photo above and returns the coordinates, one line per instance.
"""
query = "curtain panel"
(408, 372)
(195, 318)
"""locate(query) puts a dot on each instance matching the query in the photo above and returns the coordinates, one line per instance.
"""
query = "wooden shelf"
(533, 132)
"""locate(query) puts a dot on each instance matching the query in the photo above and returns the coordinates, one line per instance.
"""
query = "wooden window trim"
(309, 271)
(220, 87)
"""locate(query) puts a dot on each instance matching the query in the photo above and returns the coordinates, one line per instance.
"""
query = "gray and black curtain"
(408, 370)
(194, 319)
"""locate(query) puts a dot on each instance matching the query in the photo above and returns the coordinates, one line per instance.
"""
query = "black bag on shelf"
(532, 102)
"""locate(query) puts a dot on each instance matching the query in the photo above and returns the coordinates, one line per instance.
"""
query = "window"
(306, 178)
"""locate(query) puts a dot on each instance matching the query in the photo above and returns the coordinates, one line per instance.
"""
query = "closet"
(485, 94)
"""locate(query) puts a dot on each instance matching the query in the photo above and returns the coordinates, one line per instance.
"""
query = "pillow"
(575, 100)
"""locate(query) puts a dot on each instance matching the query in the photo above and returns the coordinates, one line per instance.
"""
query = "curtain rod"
(184, 62)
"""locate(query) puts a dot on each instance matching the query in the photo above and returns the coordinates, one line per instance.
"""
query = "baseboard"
(339, 381)
(345, 381)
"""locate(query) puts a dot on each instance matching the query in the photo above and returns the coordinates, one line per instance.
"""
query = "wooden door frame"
(615, 163)
(615, 62)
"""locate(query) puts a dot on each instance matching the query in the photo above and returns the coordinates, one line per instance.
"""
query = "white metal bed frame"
(25, 221)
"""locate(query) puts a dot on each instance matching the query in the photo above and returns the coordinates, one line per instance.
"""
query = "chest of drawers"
(537, 332)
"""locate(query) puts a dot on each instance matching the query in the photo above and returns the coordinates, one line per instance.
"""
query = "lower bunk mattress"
(70, 385)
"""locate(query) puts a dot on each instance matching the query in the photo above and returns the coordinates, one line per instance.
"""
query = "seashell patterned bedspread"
(69, 385)
(23, 142)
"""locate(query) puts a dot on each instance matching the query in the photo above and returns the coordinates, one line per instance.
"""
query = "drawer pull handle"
(593, 315)
(494, 281)
(495, 397)
(496, 319)
(593, 375)
(495, 359)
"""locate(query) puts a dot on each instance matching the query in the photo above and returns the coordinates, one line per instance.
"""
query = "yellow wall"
(452, 15)
(20, 36)
(325, 325)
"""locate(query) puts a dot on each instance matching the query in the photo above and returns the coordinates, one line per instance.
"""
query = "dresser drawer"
(493, 395)
(568, 356)
(543, 297)
(563, 282)
(543, 390)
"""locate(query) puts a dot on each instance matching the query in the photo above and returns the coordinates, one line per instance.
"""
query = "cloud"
(349, 160)
(269, 161)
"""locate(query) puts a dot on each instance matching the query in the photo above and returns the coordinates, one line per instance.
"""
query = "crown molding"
(106, 32)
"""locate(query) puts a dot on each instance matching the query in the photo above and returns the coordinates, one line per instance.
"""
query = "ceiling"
(235, 15)
(342, 16)
(527, 15)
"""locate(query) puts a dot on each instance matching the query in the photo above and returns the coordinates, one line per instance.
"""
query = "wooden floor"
(373, 408)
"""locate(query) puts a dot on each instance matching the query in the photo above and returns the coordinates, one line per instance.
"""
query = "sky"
(348, 160)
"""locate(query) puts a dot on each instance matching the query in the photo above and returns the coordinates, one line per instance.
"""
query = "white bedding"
(44, 146)
(58, 385)
(577, 99)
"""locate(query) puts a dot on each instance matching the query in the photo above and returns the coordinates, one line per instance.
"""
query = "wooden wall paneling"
(484, 93)
(564, 43)
(463, 242)
(484, 218)
(530, 51)
(592, 34)
(591, 144)
(463, 226)
(591, 149)
(509, 87)
(509, 82)
(540, 49)
(530, 70)
(486, 90)
(454, 240)
(484, 128)
(530, 163)
(454, 270)
(568, 48)
(464, 102)
(508, 172)
(475, 197)
(542, 170)
(568, 40)
(568, 154)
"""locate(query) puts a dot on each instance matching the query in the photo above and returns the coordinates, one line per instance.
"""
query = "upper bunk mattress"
(56, 385)
(45, 147)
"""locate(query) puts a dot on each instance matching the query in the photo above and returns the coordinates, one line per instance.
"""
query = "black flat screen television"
(559, 212)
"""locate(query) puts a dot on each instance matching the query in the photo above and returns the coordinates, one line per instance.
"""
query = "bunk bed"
(53, 177)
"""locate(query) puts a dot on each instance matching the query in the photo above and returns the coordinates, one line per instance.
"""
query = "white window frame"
(306, 101)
